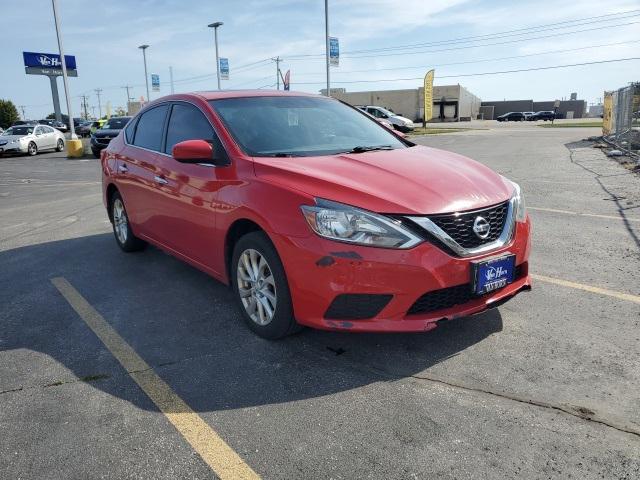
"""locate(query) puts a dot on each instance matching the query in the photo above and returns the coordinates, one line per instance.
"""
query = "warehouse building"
(567, 108)
(451, 103)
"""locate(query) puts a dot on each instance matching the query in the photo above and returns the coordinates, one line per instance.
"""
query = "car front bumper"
(319, 270)
(14, 148)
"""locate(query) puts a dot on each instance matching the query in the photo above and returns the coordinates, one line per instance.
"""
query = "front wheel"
(261, 288)
(125, 238)
(60, 145)
(32, 149)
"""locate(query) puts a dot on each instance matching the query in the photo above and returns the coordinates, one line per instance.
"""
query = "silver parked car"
(31, 139)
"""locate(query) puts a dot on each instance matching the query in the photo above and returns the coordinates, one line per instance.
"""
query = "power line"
(479, 73)
(418, 67)
(508, 33)
(492, 36)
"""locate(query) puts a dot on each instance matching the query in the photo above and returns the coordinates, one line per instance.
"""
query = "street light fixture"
(215, 26)
(146, 77)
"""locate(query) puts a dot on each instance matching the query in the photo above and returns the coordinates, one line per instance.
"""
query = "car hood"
(13, 137)
(416, 180)
(404, 119)
(107, 133)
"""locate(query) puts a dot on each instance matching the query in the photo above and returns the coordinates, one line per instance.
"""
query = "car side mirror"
(196, 151)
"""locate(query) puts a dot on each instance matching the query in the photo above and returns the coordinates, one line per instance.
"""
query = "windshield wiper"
(370, 148)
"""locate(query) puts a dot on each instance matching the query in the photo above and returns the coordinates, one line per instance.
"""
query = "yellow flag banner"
(428, 96)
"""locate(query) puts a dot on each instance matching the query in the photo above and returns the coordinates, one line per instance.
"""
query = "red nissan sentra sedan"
(315, 214)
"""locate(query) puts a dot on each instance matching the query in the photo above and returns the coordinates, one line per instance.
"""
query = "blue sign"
(334, 52)
(224, 69)
(155, 82)
(48, 60)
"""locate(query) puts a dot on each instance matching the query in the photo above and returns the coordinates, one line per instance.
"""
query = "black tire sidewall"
(283, 322)
(59, 147)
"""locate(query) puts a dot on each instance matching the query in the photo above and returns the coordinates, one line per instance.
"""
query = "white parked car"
(31, 139)
(399, 123)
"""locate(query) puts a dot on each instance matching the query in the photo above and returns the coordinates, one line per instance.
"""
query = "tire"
(60, 145)
(32, 149)
(259, 285)
(125, 238)
(96, 153)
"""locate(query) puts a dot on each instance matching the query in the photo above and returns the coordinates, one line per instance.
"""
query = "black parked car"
(84, 129)
(511, 117)
(101, 138)
(545, 115)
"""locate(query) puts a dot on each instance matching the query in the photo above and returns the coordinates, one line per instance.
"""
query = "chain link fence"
(621, 125)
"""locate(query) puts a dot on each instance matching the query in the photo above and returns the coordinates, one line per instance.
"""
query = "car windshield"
(18, 131)
(301, 126)
(115, 123)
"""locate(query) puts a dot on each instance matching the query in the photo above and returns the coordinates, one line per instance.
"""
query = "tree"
(8, 113)
(120, 112)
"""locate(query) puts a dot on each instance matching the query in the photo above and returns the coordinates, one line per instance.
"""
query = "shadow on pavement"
(186, 326)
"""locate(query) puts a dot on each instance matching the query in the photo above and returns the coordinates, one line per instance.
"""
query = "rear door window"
(150, 128)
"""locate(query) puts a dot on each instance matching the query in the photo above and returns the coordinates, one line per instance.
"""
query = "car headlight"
(521, 209)
(345, 223)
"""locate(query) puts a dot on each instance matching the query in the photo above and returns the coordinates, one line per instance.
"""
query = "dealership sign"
(155, 82)
(224, 69)
(334, 52)
(48, 64)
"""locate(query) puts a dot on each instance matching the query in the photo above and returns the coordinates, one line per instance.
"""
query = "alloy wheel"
(120, 222)
(256, 287)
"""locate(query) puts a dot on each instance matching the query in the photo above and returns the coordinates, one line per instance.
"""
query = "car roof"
(218, 94)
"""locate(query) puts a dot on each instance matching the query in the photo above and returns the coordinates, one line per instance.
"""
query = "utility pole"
(127, 87)
(277, 60)
(93, 111)
(23, 115)
(64, 70)
(98, 91)
(171, 79)
(215, 26)
(84, 105)
(146, 77)
(326, 39)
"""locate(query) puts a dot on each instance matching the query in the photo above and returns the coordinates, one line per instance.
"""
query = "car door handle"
(161, 180)
(123, 169)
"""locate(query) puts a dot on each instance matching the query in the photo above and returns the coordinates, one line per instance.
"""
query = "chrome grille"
(459, 226)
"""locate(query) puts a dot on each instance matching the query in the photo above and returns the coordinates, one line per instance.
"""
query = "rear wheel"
(261, 288)
(60, 145)
(32, 149)
(125, 238)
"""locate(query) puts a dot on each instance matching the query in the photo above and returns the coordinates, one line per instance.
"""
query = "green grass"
(572, 125)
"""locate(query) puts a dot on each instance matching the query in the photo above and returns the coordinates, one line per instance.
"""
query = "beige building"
(451, 103)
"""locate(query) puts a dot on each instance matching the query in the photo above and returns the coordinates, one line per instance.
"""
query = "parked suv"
(545, 115)
(399, 122)
(109, 130)
(511, 117)
(314, 213)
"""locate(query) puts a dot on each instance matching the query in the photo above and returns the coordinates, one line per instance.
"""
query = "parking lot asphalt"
(546, 386)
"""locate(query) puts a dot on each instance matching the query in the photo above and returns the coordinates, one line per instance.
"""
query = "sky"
(384, 45)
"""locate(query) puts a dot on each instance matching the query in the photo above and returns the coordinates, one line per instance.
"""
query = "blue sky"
(104, 35)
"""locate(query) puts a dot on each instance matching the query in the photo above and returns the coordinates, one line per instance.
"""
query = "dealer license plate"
(492, 274)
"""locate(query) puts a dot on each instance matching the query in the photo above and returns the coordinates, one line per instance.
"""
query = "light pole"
(146, 77)
(326, 40)
(215, 26)
(64, 70)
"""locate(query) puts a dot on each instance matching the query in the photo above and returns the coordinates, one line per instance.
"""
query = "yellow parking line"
(569, 212)
(588, 288)
(205, 441)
